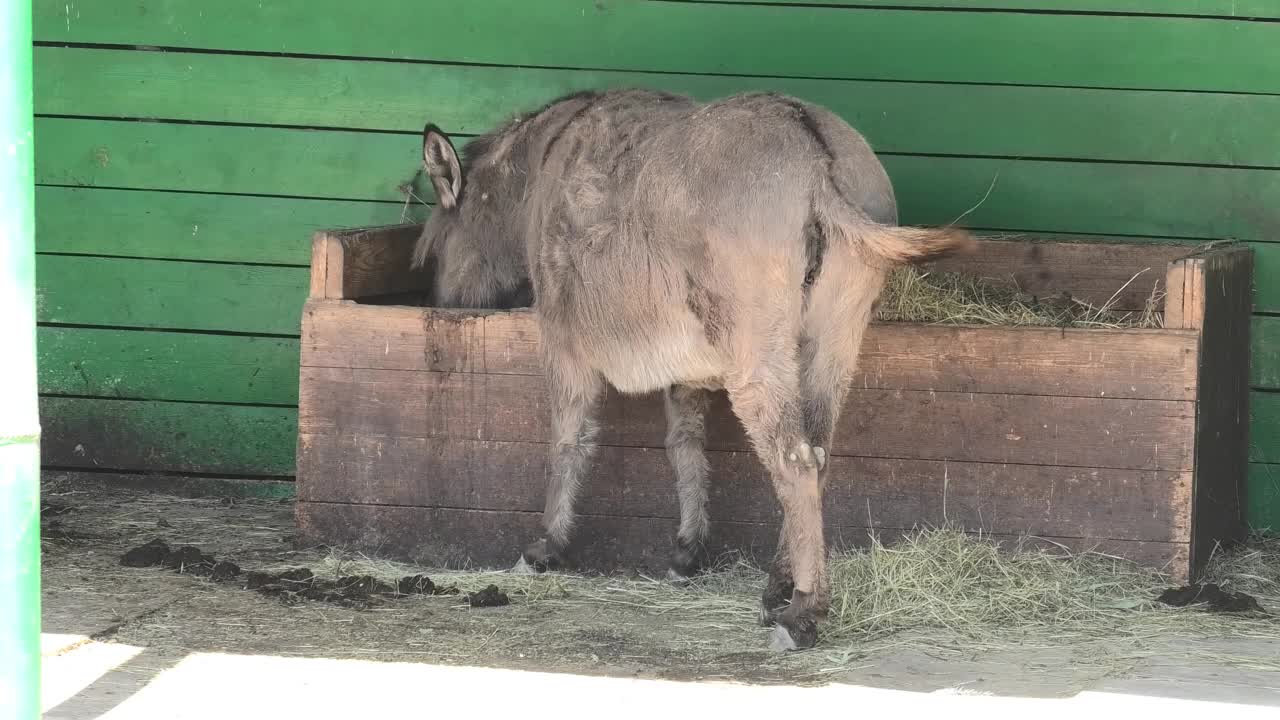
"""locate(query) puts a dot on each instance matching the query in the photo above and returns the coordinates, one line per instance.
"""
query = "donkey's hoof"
(780, 640)
(522, 567)
(540, 557)
(794, 632)
(775, 598)
(688, 561)
(821, 456)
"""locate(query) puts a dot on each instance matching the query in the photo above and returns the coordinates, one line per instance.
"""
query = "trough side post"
(19, 411)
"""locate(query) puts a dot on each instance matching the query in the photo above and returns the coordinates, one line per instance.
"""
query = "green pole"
(19, 414)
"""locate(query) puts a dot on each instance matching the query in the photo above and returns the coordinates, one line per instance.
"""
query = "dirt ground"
(90, 597)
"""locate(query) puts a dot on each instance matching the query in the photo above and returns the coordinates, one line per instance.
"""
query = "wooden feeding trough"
(422, 432)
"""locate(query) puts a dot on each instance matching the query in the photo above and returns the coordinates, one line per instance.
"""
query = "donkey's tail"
(895, 243)
(914, 244)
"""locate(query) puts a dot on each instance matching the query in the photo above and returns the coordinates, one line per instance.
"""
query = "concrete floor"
(148, 643)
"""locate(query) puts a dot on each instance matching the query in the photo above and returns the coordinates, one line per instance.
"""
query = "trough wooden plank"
(1117, 504)
(1049, 361)
(455, 537)
(1027, 195)
(1121, 276)
(189, 226)
(1222, 415)
(152, 365)
(1040, 430)
(363, 263)
(177, 437)
(749, 39)
(996, 120)
(128, 292)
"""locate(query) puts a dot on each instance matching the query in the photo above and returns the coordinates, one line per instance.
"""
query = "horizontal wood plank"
(999, 428)
(1020, 195)
(189, 226)
(1145, 364)
(1208, 8)
(998, 120)
(487, 539)
(226, 159)
(748, 39)
(126, 292)
(1122, 276)
(367, 263)
(1042, 500)
(150, 365)
(164, 436)
(187, 486)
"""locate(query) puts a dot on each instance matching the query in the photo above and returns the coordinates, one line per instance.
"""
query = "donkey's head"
(475, 233)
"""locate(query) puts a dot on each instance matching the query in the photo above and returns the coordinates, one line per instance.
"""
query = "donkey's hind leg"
(768, 404)
(575, 398)
(686, 437)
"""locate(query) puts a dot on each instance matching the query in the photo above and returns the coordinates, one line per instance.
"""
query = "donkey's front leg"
(575, 397)
(686, 437)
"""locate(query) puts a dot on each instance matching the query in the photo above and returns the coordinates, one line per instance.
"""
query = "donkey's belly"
(679, 356)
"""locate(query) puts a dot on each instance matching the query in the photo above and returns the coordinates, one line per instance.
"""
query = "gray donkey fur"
(685, 247)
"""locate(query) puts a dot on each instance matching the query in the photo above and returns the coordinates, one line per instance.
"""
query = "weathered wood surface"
(1026, 429)
(994, 120)
(1127, 363)
(100, 434)
(365, 262)
(1221, 282)
(1087, 50)
(887, 493)
(1120, 276)
(493, 539)
(1089, 198)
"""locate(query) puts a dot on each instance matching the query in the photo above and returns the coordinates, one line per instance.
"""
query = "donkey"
(686, 247)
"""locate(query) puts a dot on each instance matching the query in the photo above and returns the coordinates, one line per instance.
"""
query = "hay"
(912, 294)
(941, 592)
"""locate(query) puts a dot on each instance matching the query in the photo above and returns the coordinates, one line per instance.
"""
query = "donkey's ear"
(441, 161)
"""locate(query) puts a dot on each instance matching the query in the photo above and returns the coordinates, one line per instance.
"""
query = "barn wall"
(187, 149)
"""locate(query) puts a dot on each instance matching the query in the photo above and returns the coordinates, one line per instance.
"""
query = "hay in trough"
(913, 294)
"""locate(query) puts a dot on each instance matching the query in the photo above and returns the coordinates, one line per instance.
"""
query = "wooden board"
(430, 536)
(1050, 361)
(126, 292)
(1222, 288)
(1207, 8)
(176, 437)
(995, 120)
(226, 159)
(1035, 48)
(639, 482)
(366, 263)
(167, 366)
(1024, 429)
(1021, 195)
(1120, 276)
(188, 226)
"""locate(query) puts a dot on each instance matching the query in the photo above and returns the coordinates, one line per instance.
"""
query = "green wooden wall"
(186, 150)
